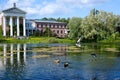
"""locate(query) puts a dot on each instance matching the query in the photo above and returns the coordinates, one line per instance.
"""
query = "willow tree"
(96, 26)
(109, 21)
(74, 27)
(118, 24)
(91, 26)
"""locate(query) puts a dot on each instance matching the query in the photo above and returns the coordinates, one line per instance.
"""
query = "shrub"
(52, 40)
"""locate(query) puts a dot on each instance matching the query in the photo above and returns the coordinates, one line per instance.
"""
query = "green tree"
(48, 32)
(36, 33)
(96, 26)
(63, 20)
(1, 32)
(74, 27)
(52, 19)
(44, 18)
(118, 24)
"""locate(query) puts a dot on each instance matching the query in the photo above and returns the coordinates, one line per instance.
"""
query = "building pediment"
(14, 10)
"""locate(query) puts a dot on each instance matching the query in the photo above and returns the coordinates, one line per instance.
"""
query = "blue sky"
(37, 9)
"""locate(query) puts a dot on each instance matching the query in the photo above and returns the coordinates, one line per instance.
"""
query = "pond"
(92, 61)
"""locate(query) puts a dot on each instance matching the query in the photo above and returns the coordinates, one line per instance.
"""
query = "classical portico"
(13, 22)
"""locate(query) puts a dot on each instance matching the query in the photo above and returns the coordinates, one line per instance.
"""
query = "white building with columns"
(13, 22)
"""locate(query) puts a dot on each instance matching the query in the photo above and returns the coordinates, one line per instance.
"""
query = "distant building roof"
(14, 9)
(48, 21)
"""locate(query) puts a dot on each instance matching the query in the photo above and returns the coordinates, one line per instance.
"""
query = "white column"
(4, 26)
(11, 55)
(18, 28)
(24, 27)
(11, 26)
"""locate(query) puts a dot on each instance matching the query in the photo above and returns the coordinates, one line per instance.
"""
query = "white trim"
(13, 14)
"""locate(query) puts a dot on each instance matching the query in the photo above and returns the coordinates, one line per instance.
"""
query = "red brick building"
(59, 28)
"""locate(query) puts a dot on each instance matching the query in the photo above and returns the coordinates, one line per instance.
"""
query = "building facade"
(13, 22)
(30, 28)
(58, 28)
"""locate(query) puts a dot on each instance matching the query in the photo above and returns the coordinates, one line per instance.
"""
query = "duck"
(94, 55)
(57, 61)
(66, 64)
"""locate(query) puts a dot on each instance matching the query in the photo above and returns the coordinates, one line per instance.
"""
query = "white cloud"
(53, 7)
(66, 6)
(80, 3)
(12, 1)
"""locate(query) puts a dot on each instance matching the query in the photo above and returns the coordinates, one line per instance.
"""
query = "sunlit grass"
(41, 56)
(111, 49)
(61, 49)
(37, 40)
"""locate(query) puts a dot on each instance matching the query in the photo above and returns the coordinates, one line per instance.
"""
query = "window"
(65, 27)
(61, 31)
(57, 26)
(37, 25)
(57, 31)
(41, 25)
(46, 25)
(61, 26)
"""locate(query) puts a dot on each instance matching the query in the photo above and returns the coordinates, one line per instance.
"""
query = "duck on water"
(94, 55)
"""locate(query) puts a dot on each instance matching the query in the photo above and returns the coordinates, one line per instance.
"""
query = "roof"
(48, 21)
(14, 9)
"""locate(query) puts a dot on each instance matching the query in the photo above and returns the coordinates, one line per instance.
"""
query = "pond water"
(37, 62)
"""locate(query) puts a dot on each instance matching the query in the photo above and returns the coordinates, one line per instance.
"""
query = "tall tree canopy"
(96, 26)
(74, 27)
(66, 20)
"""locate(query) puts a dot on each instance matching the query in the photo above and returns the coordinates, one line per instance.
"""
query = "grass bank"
(37, 40)
(111, 40)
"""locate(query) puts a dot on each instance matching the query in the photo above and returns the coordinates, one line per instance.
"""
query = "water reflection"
(4, 53)
(13, 51)
(17, 63)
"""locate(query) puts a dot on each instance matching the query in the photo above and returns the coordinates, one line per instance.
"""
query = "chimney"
(14, 5)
